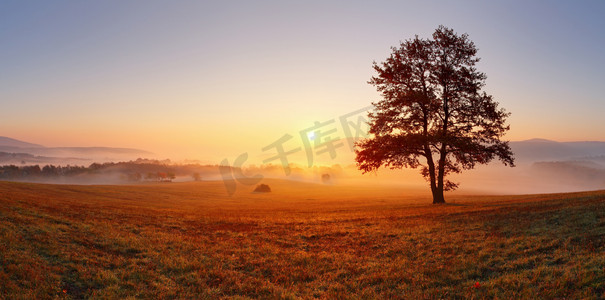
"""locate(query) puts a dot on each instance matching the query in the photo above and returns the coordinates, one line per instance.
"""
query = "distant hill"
(545, 150)
(7, 158)
(93, 151)
(18, 150)
(10, 142)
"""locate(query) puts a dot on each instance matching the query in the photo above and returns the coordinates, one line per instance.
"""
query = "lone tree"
(433, 114)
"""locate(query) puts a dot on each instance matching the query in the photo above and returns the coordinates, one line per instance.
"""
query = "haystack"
(262, 188)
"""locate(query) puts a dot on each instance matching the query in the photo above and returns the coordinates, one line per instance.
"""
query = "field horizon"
(302, 240)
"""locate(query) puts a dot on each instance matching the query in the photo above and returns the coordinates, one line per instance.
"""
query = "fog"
(542, 167)
(525, 178)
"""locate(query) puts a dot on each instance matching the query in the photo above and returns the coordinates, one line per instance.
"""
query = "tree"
(151, 176)
(433, 114)
(171, 176)
(196, 176)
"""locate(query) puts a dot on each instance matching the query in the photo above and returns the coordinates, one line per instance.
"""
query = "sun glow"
(311, 135)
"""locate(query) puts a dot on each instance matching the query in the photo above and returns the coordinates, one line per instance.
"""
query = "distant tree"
(134, 177)
(433, 114)
(171, 176)
(196, 176)
(50, 171)
(95, 166)
(31, 170)
(151, 176)
(12, 171)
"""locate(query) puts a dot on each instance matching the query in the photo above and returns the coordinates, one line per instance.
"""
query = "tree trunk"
(438, 197)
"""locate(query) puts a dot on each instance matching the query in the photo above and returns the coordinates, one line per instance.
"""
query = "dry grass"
(301, 241)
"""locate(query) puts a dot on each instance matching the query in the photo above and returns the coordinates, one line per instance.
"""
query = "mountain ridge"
(17, 151)
(10, 142)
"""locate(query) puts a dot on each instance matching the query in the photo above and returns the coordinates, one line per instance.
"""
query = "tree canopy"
(433, 114)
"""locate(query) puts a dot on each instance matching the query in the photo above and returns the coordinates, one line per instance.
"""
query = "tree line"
(132, 171)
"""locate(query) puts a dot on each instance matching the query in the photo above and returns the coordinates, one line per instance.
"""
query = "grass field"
(189, 240)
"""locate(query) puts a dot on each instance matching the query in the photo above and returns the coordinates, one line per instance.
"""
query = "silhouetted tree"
(433, 114)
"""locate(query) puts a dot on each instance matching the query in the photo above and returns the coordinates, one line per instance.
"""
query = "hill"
(65, 155)
(90, 154)
(13, 143)
(302, 240)
(7, 158)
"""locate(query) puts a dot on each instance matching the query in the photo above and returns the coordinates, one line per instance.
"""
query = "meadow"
(302, 240)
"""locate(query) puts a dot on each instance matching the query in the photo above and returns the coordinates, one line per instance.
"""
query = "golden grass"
(190, 240)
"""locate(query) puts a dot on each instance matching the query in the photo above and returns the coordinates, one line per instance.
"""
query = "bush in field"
(325, 178)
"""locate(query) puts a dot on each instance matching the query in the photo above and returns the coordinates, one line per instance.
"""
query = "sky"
(214, 79)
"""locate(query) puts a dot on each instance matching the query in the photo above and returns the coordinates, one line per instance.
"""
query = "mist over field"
(542, 166)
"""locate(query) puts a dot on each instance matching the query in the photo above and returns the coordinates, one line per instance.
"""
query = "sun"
(311, 135)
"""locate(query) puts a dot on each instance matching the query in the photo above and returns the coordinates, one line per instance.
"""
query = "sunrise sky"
(213, 79)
